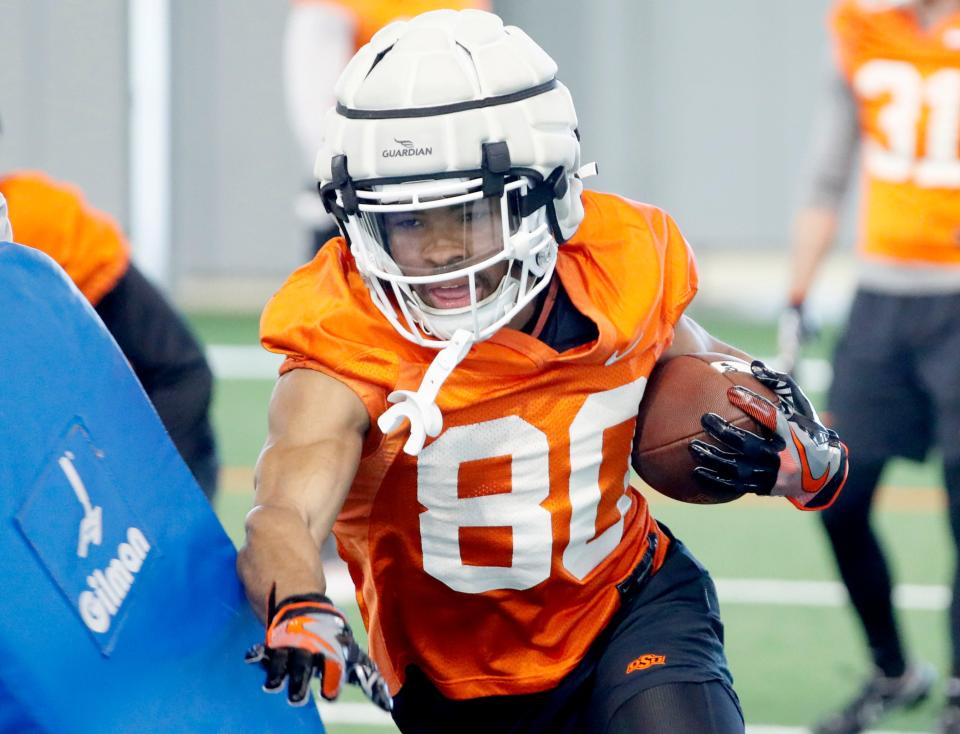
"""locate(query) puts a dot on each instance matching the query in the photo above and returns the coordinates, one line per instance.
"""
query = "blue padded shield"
(122, 610)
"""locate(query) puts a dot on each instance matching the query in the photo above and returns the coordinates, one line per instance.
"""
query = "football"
(680, 391)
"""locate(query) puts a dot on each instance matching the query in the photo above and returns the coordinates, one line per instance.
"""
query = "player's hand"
(810, 466)
(813, 467)
(307, 636)
(748, 462)
(793, 331)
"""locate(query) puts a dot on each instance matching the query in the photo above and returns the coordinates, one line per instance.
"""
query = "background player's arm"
(835, 142)
(6, 231)
(812, 237)
(316, 431)
(318, 43)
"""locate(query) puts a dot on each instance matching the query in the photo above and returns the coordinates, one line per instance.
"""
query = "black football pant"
(706, 708)
(673, 613)
(170, 365)
(863, 565)
(670, 708)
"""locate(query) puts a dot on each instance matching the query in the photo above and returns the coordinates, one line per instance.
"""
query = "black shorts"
(668, 631)
(896, 376)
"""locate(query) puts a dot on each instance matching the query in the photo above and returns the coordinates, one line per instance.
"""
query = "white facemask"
(452, 258)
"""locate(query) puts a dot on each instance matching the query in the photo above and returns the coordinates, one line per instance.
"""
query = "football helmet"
(451, 163)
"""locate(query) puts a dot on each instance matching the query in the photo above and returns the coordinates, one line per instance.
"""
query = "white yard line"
(238, 362)
(370, 715)
(754, 592)
(353, 713)
(823, 594)
(247, 362)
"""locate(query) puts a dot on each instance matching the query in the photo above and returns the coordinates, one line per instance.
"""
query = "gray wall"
(235, 164)
(700, 107)
(63, 94)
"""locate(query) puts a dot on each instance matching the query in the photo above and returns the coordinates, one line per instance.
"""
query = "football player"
(895, 94)
(54, 218)
(320, 38)
(464, 369)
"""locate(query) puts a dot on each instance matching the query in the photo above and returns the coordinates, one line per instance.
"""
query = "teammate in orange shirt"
(168, 361)
(320, 38)
(896, 386)
(464, 369)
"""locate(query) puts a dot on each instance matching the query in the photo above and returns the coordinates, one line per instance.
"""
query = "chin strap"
(420, 408)
(588, 170)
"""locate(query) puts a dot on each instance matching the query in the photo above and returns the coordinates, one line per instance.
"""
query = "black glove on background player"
(793, 331)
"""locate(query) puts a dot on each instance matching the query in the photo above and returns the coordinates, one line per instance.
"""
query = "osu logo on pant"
(645, 661)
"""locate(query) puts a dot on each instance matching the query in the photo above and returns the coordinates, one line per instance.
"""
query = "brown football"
(679, 391)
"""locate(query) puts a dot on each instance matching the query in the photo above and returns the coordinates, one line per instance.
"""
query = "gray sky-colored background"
(702, 108)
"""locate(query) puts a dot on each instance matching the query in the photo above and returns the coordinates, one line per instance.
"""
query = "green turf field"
(791, 661)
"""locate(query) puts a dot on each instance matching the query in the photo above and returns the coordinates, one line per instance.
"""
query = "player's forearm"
(722, 347)
(814, 232)
(300, 490)
(691, 338)
(279, 550)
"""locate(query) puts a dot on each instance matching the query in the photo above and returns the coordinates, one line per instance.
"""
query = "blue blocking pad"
(94, 549)
(122, 609)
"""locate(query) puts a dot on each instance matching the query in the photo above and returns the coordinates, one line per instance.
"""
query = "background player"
(54, 218)
(452, 166)
(6, 231)
(896, 385)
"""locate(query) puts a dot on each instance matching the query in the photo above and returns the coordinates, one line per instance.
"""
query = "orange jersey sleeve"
(322, 319)
(515, 524)
(906, 81)
(655, 259)
(54, 218)
(372, 15)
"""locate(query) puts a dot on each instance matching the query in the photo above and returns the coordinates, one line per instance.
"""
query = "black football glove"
(308, 636)
(797, 457)
(748, 462)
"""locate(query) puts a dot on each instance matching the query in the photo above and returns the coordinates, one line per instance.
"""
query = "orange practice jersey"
(490, 560)
(907, 85)
(53, 218)
(371, 15)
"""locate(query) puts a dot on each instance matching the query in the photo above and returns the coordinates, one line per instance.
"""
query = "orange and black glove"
(307, 637)
(797, 457)
(814, 465)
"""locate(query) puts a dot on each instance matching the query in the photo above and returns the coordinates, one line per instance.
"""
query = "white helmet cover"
(442, 112)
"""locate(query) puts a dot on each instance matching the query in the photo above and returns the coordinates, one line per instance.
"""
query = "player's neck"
(524, 317)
